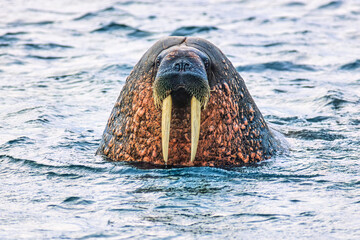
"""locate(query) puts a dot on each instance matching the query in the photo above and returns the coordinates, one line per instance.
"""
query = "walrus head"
(184, 104)
(181, 80)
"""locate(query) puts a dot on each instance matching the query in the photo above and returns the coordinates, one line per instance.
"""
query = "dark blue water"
(63, 64)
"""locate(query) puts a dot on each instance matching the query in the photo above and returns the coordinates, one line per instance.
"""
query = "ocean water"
(63, 64)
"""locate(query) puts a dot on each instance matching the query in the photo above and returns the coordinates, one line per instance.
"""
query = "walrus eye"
(157, 62)
(207, 64)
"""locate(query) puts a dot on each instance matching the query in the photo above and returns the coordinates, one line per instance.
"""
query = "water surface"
(63, 64)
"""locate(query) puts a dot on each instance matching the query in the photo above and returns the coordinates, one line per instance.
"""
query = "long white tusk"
(195, 126)
(165, 126)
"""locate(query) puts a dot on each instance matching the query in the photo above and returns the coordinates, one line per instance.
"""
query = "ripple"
(277, 66)
(69, 77)
(117, 27)
(318, 119)
(10, 36)
(351, 66)
(308, 214)
(284, 120)
(191, 30)
(98, 236)
(45, 46)
(267, 216)
(178, 190)
(21, 140)
(124, 210)
(295, 4)
(77, 201)
(90, 15)
(266, 45)
(86, 16)
(36, 164)
(249, 19)
(40, 120)
(336, 99)
(116, 68)
(354, 122)
(323, 134)
(62, 175)
(44, 57)
(103, 12)
(39, 11)
(215, 174)
(275, 44)
(300, 80)
(21, 23)
(162, 219)
(114, 26)
(331, 5)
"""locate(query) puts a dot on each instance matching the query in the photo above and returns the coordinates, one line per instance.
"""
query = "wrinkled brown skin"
(233, 131)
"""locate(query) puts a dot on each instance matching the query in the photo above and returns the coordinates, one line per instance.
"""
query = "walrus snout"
(181, 86)
(185, 68)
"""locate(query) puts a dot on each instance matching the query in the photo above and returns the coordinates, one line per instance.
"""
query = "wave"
(277, 66)
(295, 4)
(20, 140)
(45, 46)
(331, 5)
(113, 26)
(351, 66)
(69, 77)
(91, 15)
(266, 45)
(52, 174)
(77, 201)
(323, 134)
(10, 36)
(190, 30)
(336, 99)
(114, 68)
(318, 119)
(44, 57)
(21, 23)
(53, 168)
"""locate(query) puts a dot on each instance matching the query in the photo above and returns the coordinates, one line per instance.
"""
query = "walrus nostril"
(177, 67)
(181, 66)
(186, 67)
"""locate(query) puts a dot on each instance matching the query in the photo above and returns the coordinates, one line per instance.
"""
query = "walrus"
(184, 104)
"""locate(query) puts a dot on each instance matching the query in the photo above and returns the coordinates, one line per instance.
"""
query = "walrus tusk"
(195, 126)
(165, 126)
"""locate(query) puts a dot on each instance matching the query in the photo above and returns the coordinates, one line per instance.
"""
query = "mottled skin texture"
(233, 131)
